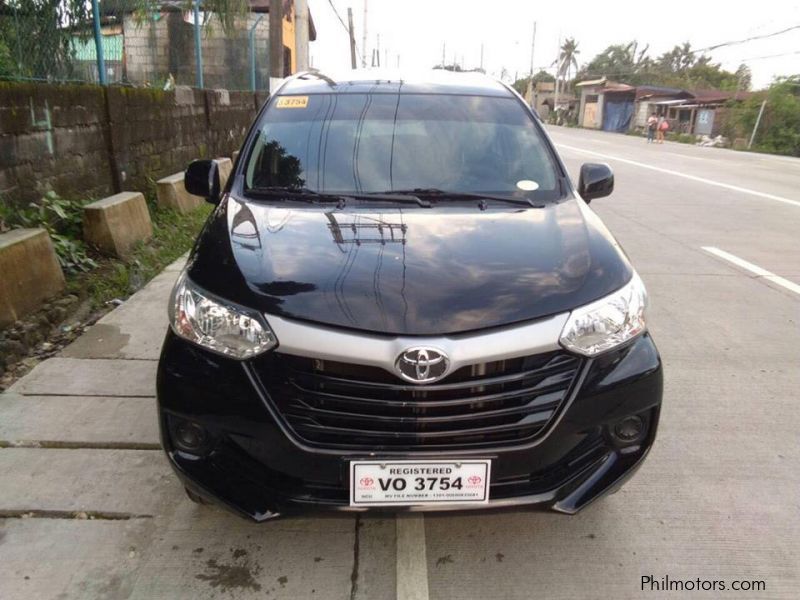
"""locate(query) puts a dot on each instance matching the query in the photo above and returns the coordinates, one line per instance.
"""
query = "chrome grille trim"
(329, 343)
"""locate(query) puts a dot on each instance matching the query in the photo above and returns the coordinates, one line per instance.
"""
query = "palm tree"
(567, 59)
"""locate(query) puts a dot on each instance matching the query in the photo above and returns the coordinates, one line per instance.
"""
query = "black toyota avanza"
(402, 302)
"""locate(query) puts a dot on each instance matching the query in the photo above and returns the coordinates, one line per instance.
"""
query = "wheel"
(197, 499)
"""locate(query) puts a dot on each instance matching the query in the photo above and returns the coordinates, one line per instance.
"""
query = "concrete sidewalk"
(89, 507)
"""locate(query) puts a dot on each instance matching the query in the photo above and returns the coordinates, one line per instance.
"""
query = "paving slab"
(138, 482)
(376, 578)
(604, 551)
(70, 559)
(203, 552)
(178, 264)
(135, 329)
(89, 377)
(78, 420)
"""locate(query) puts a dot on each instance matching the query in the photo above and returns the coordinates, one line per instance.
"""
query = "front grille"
(339, 405)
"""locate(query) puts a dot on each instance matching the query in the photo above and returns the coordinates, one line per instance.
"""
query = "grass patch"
(681, 138)
(173, 235)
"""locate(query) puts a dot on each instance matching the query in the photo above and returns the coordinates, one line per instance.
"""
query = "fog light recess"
(190, 437)
(629, 430)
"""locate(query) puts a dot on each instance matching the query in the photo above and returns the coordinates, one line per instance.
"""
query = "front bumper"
(257, 468)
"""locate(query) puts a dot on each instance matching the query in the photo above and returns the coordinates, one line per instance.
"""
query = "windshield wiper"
(303, 193)
(435, 192)
(300, 193)
(401, 197)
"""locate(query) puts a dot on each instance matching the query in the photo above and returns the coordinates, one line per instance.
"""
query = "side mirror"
(202, 179)
(597, 180)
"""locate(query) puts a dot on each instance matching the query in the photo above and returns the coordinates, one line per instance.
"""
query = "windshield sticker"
(292, 102)
(527, 185)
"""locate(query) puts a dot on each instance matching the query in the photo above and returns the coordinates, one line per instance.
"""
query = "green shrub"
(779, 129)
(63, 220)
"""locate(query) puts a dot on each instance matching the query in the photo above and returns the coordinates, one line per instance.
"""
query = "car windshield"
(373, 143)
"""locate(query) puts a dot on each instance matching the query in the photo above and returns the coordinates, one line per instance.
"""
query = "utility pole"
(533, 47)
(377, 53)
(98, 44)
(301, 33)
(198, 50)
(364, 38)
(758, 122)
(276, 38)
(353, 63)
(558, 75)
(252, 36)
(481, 56)
(443, 49)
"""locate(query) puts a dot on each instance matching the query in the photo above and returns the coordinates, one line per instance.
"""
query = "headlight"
(607, 322)
(218, 325)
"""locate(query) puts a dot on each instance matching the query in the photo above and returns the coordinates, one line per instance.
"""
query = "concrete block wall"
(53, 137)
(153, 134)
(229, 118)
(90, 142)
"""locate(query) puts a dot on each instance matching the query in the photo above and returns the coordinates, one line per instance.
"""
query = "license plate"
(419, 482)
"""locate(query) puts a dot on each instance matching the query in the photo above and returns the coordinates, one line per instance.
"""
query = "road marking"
(755, 269)
(727, 186)
(412, 562)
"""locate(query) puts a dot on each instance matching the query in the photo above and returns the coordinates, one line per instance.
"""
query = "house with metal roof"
(605, 104)
(158, 47)
(619, 107)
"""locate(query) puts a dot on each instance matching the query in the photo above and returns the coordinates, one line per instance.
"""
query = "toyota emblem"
(422, 364)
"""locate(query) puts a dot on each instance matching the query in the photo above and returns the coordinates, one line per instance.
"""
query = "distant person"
(652, 124)
(663, 127)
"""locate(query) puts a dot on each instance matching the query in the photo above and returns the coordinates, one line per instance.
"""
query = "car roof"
(390, 81)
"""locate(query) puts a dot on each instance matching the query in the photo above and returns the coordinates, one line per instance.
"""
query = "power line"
(346, 28)
(769, 56)
(750, 39)
(338, 16)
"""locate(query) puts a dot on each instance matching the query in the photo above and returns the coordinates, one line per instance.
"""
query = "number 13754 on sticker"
(292, 102)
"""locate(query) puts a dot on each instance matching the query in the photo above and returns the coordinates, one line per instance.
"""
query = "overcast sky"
(414, 31)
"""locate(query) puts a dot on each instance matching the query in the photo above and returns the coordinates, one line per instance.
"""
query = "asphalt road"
(89, 508)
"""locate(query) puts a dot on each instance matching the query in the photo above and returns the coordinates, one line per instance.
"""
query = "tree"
(619, 61)
(38, 37)
(744, 77)
(521, 85)
(680, 67)
(567, 59)
(38, 34)
(678, 60)
(227, 11)
(779, 131)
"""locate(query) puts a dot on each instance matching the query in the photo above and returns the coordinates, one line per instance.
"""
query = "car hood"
(408, 270)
